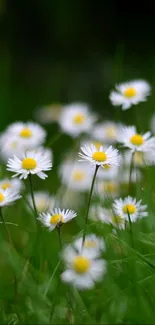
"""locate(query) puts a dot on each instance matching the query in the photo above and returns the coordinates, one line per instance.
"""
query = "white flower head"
(56, 217)
(76, 176)
(29, 134)
(129, 206)
(98, 213)
(108, 173)
(109, 157)
(43, 200)
(95, 245)
(10, 145)
(14, 184)
(8, 196)
(31, 163)
(135, 141)
(107, 188)
(82, 269)
(140, 159)
(130, 93)
(76, 118)
(48, 114)
(106, 132)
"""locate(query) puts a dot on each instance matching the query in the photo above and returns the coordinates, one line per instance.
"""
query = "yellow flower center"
(106, 166)
(99, 156)
(137, 140)
(78, 175)
(14, 144)
(90, 244)
(129, 208)
(29, 163)
(110, 132)
(81, 264)
(4, 186)
(130, 92)
(97, 144)
(117, 220)
(25, 133)
(2, 197)
(79, 118)
(57, 218)
(110, 187)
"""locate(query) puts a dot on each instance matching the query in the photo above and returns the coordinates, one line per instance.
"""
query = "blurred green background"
(63, 51)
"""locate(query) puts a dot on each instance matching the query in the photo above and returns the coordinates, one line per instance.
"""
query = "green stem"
(88, 206)
(59, 236)
(130, 172)
(6, 229)
(54, 139)
(131, 232)
(32, 195)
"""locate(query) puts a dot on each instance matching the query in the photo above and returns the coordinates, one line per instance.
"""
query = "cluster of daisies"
(100, 167)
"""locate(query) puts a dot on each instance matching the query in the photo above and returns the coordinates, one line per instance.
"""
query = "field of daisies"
(84, 253)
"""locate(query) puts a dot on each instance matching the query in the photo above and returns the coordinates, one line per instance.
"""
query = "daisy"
(108, 216)
(108, 173)
(29, 134)
(31, 163)
(130, 93)
(10, 146)
(76, 176)
(109, 157)
(82, 269)
(43, 201)
(106, 188)
(95, 245)
(49, 113)
(76, 118)
(129, 206)
(8, 196)
(56, 218)
(136, 141)
(106, 132)
(14, 184)
(140, 158)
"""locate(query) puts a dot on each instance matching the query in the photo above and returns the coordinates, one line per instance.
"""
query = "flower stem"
(131, 232)
(6, 228)
(32, 195)
(130, 172)
(59, 236)
(88, 206)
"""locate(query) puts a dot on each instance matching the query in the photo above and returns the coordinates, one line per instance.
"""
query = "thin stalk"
(6, 228)
(88, 206)
(32, 195)
(130, 172)
(131, 232)
(59, 236)
(54, 139)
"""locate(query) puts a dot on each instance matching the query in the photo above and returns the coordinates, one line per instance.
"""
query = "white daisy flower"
(130, 93)
(31, 163)
(8, 196)
(46, 151)
(56, 218)
(30, 134)
(135, 141)
(108, 173)
(95, 245)
(76, 176)
(140, 158)
(129, 206)
(43, 201)
(82, 269)
(108, 216)
(14, 184)
(109, 157)
(76, 118)
(88, 142)
(107, 188)
(9, 146)
(106, 132)
(49, 113)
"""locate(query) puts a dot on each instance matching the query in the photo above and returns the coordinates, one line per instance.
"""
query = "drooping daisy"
(31, 163)
(76, 118)
(107, 188)
(30, 134)
(43, 201)
(8, 196)
(130, 93)
(76, 176)
(98, 213)
(130, 138)
(82, 269)
(14, 184)
(95, 245)
(109, 157)
(129, 206)
(49, 113)
(106, 132)
(56, 218)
